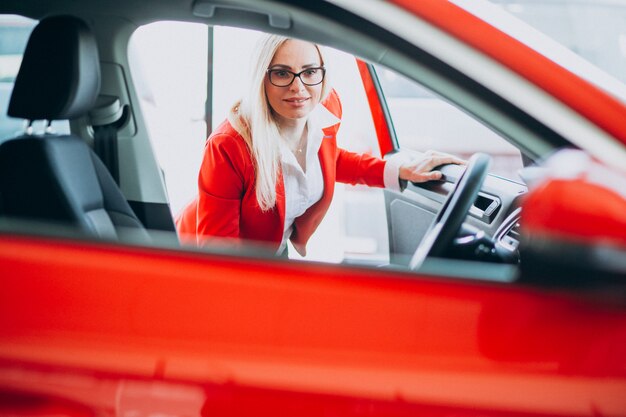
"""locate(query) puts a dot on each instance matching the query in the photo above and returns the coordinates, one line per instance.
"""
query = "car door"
(410, 119)
(130, 330)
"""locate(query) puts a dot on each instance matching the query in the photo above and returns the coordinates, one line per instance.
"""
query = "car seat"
(58, 178)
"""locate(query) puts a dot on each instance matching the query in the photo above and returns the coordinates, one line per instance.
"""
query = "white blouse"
(303, 189)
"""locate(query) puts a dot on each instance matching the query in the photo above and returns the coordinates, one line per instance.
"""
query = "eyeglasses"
(283, 78)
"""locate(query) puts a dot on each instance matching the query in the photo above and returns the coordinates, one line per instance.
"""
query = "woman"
(268, 172)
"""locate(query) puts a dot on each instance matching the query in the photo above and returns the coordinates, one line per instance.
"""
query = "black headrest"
(60, 73)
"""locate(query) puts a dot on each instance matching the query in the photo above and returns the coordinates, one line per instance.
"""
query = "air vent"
(485, 207)
(511, 239)
(509, 233)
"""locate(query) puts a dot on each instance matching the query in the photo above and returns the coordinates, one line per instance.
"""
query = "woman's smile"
(297, 101)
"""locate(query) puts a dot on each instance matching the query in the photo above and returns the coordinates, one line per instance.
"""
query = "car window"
(14, 33)
(422, 121)
(173, 91)
(355, 222)
(171, 83)
(593, 29)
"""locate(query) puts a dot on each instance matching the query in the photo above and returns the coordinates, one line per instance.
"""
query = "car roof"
(133, 10)
(545, 45)
(604, 110)
(136, 12)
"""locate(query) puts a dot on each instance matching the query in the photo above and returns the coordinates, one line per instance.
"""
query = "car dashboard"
(491, 228)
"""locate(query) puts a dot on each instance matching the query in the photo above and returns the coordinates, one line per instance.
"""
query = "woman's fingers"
(431, 175)
(420, 170)
(416, 176)
(437, 159)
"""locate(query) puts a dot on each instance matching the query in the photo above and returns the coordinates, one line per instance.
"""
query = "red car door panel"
(275, 334)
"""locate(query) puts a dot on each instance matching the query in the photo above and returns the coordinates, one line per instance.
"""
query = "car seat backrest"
(59, 77)
(58, 178)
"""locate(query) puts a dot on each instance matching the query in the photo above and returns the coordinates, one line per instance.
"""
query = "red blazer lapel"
(305, 225)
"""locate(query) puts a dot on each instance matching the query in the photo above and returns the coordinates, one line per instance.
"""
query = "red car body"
(90, 328)
(117, 330)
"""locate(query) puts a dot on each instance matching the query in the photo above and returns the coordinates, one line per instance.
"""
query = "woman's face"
(297, 100)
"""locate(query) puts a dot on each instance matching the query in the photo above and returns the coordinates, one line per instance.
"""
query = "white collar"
(319, 118)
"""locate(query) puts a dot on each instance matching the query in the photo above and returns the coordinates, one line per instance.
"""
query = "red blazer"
(226, 206)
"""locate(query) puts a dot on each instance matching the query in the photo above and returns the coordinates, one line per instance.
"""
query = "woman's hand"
(420, 169)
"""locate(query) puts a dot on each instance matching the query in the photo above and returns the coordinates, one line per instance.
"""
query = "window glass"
(14, 33)
(355, 222)
(423, 121)
(594, 29)
(169, 68)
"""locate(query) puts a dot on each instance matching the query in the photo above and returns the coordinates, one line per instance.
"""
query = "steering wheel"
(446, 226)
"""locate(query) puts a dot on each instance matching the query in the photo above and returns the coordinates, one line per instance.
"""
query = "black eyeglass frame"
(294, 75)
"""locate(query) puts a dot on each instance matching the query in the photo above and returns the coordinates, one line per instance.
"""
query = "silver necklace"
(302, 142)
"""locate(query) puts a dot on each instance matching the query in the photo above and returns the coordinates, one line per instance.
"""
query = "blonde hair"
(253, 119)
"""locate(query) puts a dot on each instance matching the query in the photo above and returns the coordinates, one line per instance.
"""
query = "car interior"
(66, 181)
(444, 300)
(103, 180)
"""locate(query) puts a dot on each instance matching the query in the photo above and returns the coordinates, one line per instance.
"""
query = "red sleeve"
(220, 188)
(354, 168)
(186, 223)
